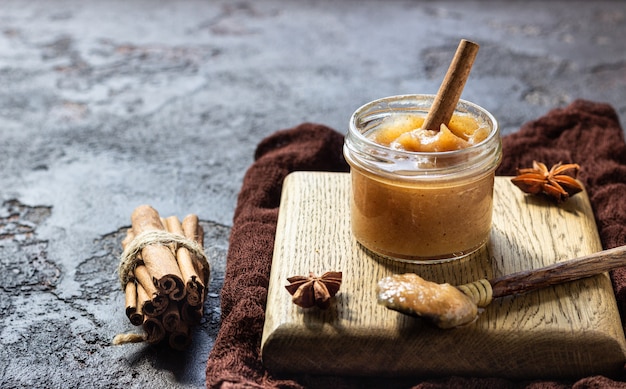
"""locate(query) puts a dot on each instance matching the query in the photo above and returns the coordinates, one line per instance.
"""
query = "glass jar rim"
(428, 97)
(365, 153)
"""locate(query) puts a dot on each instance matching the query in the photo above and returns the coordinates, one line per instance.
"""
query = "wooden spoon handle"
(571, 270)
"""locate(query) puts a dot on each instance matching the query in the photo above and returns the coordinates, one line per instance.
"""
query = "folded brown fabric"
(585, 132)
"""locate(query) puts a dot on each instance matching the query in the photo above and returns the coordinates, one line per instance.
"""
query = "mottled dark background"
(105, 105)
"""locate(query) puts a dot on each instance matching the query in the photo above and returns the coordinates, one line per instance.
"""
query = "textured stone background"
(105, 105)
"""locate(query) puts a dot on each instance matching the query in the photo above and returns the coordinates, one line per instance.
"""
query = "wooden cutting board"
(567, 331)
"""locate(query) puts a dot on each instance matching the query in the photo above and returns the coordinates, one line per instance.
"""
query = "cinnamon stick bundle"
(164, 273)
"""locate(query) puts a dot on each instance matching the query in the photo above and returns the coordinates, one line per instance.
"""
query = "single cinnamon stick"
(193, 287)
(154, 329)
(128, 238)
(157, 258)
(203, 271)
(181, 337)
(157, 304)
(132, 311)
(200, 235)
(450, 90)
(144, 278)
(142, 299)
(193, 230)
(171, 317)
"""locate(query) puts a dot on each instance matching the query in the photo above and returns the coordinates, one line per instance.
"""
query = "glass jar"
(420, 206)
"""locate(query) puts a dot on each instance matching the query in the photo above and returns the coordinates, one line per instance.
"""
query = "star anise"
(313, 291)
(554, 183)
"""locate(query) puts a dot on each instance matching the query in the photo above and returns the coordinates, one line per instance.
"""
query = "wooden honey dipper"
(443, 305)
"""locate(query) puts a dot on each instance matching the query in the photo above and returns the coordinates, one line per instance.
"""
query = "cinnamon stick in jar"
(157, 258)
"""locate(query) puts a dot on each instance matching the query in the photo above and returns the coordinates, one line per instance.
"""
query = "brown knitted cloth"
(585, 132)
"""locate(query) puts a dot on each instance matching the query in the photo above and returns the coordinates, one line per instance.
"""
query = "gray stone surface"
(105, 105)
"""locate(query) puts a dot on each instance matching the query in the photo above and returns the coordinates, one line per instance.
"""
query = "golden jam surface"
(403, 132)
(421, 221)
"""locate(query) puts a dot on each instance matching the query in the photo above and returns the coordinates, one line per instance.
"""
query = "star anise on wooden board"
(554, 183)
(313, 291)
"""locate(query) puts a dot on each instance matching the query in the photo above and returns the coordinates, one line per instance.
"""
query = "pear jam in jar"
(420, 195)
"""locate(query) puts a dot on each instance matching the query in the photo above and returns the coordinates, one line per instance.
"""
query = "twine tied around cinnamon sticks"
(164, 274)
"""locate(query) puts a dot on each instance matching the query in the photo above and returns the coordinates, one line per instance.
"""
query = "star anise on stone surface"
(555, 183)
(309, 291)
